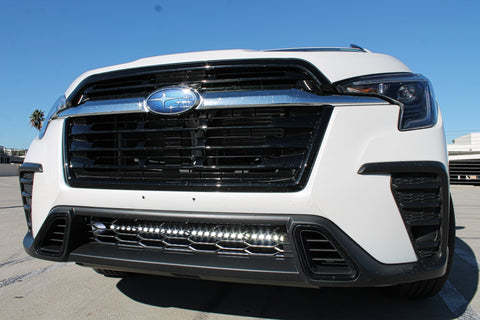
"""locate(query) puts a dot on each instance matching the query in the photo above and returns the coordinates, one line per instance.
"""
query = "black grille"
(253, 149)
(322, 257)
(418, 197)
(26, 188)
(245, 240)
(211, 76)
(465, 172)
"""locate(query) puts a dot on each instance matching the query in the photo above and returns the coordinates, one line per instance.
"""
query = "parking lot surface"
(37, 289)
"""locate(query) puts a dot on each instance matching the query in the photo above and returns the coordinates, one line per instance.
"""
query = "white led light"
(241, 234)
(98, 225)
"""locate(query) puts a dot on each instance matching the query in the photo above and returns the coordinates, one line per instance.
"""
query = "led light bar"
(210, 233)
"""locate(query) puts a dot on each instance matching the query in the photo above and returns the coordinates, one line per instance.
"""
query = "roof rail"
(358, 47)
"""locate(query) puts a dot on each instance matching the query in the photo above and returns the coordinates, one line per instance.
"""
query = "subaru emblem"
(173, 100)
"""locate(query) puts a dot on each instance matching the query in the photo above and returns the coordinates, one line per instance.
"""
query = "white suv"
(304, 167)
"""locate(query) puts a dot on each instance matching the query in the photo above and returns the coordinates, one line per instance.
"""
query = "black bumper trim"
(287, 271)
(29, 166)
(404, 167)
(205, 266)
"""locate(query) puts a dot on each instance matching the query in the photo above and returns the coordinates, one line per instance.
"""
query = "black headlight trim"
(426, 110)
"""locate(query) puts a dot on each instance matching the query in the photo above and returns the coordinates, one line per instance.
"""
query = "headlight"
(57, 106)
(412, 92)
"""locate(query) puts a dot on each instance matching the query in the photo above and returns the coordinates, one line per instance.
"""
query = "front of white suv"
(302, 167)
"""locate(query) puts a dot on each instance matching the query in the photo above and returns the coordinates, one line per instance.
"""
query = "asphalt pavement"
(37, 289)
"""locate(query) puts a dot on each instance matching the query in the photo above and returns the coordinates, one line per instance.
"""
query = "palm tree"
(36, 119)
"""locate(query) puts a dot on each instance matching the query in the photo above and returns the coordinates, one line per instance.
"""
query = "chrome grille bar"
(221, 100)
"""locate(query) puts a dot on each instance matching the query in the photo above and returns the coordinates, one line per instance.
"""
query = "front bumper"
(291, 271)
(66, 236)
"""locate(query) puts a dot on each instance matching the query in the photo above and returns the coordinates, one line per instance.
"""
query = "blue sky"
(46, 44)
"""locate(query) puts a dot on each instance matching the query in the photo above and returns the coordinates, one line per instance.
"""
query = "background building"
(8, 155)
(4, 158)
(464, 159)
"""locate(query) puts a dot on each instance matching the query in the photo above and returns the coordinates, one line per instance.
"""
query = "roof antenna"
(354, 46)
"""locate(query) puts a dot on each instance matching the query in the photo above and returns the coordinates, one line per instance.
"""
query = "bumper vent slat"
(421, 210)
(53, 241)
(322, 258)
(26, 188)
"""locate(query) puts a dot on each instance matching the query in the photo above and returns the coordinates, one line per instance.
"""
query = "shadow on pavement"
(463, 278)
(298, 303)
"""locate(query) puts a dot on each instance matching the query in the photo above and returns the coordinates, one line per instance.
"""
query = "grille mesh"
(264, 149)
